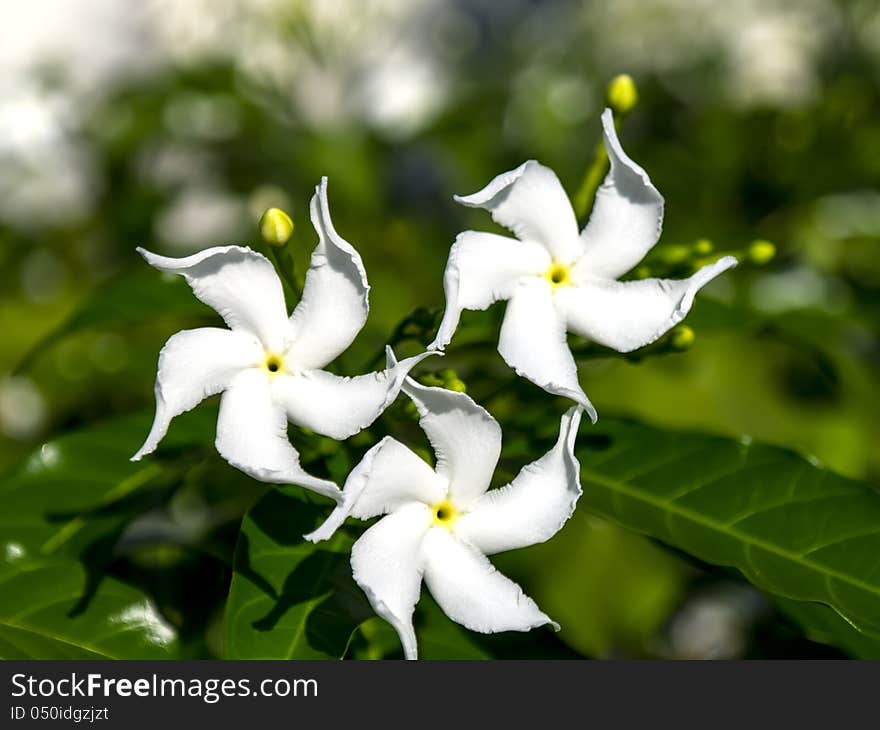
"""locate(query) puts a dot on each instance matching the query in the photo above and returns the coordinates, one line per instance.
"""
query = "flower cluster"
(438, 524)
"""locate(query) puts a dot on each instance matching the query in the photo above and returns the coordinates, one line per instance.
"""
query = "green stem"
(596, 172)
(282, 258)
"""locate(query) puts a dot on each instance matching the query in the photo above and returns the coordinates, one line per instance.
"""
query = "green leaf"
(142, 299)
(821, 623)
(792, 528)
(291, 599)
(43, 614)
(441, 638)
(63, 512)
(79, 483)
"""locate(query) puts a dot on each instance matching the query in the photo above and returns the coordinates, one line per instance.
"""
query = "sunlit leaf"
(794, 529)
(45, 614)
(291, 599)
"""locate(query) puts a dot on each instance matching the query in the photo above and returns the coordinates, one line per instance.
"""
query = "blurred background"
(173, 124)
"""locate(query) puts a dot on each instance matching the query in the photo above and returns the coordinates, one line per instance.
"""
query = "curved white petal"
(193, 365)
(531, 202)
(627, 315)
(533, 342)
(484, 268)
(337, 406)
(388, 477)
(465, 438)
(627, 215)
(335, 301)
(535, 505)
(240, 284)
(252, 436)
(471, 591)
(387, 564)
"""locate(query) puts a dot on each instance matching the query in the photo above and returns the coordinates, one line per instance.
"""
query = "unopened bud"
(682, 337)
(621, 94)
(276, 227)
(761, 252)
(675, 254)
(703, 246)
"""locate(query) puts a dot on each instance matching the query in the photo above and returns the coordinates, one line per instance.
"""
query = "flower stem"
(596, 172)
(282, 259)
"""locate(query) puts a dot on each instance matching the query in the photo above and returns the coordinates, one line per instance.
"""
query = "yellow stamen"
(273, 364)
(558, 275)
(445, 513)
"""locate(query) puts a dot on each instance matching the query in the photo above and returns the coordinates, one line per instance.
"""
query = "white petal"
(387, 564)
(466, 439)
(627, 215)
(388, 477)
(627, 315)
(531, 202)
(535, 505)
(484, 268)
(240, 284)
(533, 342)
(472, 592)
(335, 300)
(193, 365)
(252, 436)
(337, 406)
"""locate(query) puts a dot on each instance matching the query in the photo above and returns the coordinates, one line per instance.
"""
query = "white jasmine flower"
(268, 366)
(442, 523)
(557, 280)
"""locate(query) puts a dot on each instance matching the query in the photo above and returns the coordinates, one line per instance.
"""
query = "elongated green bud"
(622, 94)
(276, 227)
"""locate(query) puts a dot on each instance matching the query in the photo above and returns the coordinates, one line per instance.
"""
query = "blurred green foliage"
(785, 351)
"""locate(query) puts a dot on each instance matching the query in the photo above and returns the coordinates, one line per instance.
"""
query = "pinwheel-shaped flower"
(441, 523)
(556, 280)
(267, 366)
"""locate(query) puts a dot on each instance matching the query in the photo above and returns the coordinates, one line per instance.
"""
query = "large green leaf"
(81, 481)
(794, 529)
(43, 615)
(291, 599)
(63, 512)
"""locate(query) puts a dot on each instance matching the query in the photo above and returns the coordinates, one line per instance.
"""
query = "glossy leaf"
(80, 480)
(43, 614)
(291, 599)
(792, 528)
(64, 511)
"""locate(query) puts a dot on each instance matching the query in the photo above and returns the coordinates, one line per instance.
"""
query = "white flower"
(268, 366)
(557, 280)
(441, 523)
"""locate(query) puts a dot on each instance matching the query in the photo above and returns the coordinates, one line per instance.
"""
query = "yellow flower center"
(444, 513)
(558, 274)
(273, 364)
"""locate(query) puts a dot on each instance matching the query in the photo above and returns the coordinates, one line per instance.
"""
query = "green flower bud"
(276, 227)
(761, 252)
(675, 254)
(621, 94)
(703, 246)
(682, 337)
